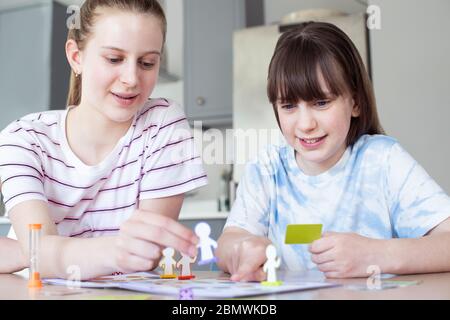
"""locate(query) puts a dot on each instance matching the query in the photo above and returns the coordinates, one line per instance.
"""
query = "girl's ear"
(355, 109)
(73, 54)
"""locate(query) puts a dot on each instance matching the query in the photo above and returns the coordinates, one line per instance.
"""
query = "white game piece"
(203, 230)
(167, 263)
(270, 266)
(185, 264)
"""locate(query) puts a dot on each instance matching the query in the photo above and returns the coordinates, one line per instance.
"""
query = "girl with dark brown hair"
(377, 205)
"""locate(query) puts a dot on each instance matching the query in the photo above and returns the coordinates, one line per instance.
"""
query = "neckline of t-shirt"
(99, 168)
(328, 175)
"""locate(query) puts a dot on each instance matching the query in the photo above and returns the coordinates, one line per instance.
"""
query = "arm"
(408, 255)
(57, 253)
(417, 206)
(135, 248)
(344, 255)
(12, 258)
(242, 254)
(278, 263)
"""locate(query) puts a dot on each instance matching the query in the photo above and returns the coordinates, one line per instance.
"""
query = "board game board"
(205, 287)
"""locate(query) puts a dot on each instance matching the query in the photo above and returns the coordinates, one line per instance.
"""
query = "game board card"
(302, 233)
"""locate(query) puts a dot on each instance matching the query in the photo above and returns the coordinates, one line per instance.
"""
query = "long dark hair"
(311, 47)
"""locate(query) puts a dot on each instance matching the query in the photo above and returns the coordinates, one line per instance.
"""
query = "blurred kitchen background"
(215, 65)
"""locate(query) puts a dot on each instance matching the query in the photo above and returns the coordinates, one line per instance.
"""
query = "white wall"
(411, 68)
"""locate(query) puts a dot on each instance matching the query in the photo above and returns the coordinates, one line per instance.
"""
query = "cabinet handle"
(200, 101)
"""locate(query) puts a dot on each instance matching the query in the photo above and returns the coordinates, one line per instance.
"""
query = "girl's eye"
(287, 106)
(147, 65)
(114, 60)
(321, 104)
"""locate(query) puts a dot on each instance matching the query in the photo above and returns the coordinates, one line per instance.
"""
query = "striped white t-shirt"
(155, 158)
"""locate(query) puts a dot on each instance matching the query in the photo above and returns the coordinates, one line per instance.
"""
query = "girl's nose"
(306, 121)
(129, 75)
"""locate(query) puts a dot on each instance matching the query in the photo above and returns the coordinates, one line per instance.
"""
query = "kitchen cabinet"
(34, 73)
(208, 58)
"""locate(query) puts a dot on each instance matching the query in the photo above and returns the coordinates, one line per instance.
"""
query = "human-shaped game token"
(186, 294)
(207, 256)
(270, 266)
(185, 264)
(168, 263)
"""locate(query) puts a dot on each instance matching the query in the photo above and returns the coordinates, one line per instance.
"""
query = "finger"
(324, 257)
(169, 225)
(233, 264)
(235, 258)
(244, 272)
(258, 275)
(141, 248)
(334, 275)
(328, 234)
(168, 239)
(321, 245)
(159, 236)
(132, 263)
(248, 268)
(327, 267)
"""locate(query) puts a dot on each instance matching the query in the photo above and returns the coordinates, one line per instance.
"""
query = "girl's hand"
(144, 235)
(248, 258)
(345, 255)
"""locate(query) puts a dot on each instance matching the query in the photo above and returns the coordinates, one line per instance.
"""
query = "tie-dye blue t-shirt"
(376, 190)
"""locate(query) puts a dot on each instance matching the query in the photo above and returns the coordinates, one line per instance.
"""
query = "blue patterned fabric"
(376, 190)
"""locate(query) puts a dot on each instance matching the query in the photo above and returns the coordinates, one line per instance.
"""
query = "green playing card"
(302, 233)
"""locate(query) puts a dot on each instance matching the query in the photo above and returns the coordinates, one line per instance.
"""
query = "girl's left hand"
(345, 255)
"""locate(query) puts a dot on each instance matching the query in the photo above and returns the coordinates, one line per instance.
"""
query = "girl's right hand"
(247, 259)
(144, 235)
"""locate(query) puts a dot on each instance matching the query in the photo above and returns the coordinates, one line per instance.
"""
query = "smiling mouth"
(125, 97)
(313, 140)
